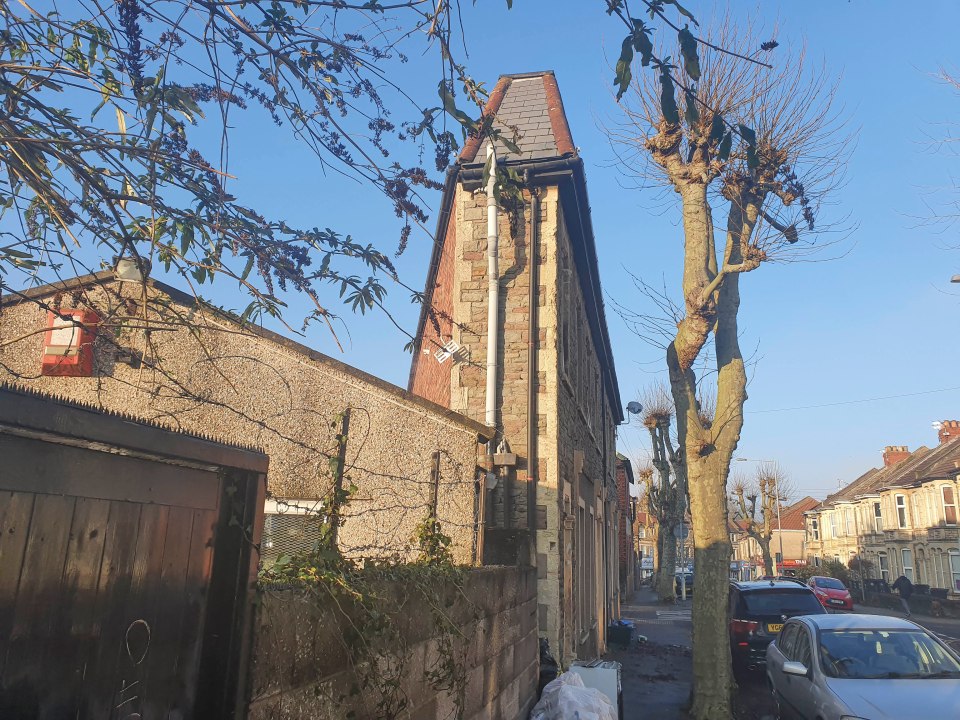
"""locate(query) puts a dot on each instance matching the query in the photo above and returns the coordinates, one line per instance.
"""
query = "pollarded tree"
(758, 151)
(667, 490)
(758, 503)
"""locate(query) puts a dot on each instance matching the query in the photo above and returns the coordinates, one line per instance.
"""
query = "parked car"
(862, 666)
(758, 611)
(831, 593)
(687, 579)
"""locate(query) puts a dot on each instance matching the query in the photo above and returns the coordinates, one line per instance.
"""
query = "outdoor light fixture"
(132, 269)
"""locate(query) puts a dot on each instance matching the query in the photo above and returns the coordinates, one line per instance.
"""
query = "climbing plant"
(371, 601)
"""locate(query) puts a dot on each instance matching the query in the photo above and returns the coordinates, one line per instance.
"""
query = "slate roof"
(528, 110)
(923, 464)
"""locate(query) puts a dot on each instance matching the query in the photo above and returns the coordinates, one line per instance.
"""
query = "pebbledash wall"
(299, 665)
(250, 386)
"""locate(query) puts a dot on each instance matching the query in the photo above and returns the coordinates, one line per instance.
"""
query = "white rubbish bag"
(566, 698)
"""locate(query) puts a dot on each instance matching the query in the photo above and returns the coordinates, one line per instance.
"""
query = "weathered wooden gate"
(126, 565)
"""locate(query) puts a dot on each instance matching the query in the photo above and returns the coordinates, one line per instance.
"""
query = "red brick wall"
(431, 379)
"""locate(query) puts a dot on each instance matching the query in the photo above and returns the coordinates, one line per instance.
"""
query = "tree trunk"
(666, 587)
(767, 557)
(712, 681)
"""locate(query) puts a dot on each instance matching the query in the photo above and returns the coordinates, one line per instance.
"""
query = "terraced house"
(513, 335)
(901, 518)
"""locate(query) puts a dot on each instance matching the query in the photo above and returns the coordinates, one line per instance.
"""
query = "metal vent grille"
(289, 528)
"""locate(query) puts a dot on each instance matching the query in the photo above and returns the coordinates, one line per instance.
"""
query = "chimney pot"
(893, 454)
(949, 429)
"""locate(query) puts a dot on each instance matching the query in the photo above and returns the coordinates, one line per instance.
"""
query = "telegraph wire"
(854, 402)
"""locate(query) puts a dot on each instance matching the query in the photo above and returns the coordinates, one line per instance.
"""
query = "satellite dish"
(634, 408)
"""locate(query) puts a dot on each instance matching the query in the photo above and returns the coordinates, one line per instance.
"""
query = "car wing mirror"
(795, 668)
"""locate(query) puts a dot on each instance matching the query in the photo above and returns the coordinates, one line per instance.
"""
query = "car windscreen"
(885, 654)
(830, 583)
(782, 601)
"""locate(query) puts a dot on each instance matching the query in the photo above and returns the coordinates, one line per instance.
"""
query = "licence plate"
(774, 627)
(836, 602)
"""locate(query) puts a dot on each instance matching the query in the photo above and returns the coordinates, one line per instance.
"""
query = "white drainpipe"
(493, 292)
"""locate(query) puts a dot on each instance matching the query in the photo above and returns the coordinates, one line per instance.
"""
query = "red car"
(831, 593)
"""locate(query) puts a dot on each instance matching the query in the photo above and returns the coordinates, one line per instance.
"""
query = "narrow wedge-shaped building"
(513, 334)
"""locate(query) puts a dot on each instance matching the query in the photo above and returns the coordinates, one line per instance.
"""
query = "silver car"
(862, 667)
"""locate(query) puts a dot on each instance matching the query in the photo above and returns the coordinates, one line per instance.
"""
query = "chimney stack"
(892, 454)
(949, 429)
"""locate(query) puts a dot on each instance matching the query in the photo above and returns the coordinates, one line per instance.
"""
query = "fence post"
(338, 476)
(434, 483)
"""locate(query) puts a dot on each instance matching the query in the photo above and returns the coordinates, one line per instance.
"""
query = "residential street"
(656, 673)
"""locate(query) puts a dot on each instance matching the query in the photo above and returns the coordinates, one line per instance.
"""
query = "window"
(901, 511)
(833, 524)
(949, 505)
(816, 561)
(848, 515)
(836, 558)
(906, 555)
(877, 517)
(641, 532)
(801, 648)
(884, 567)
(815, 528)
(955, 569)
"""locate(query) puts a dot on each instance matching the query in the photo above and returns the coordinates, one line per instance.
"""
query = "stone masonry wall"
(268, 392)
(298, 662)
(586, 452)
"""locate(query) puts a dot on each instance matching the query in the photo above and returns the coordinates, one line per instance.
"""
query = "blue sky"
(881, 320)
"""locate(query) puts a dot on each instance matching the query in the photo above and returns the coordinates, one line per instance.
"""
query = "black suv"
(757, 612)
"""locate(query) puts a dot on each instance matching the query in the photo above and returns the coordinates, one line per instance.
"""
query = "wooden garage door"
(105, 567)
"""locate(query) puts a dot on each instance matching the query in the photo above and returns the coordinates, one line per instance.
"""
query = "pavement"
(657, 667)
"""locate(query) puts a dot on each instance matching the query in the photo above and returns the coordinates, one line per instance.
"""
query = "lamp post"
(776, 491)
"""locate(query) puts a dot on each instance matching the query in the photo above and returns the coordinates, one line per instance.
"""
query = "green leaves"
(750, 138)
(688, 49)
(637, 41)
(683, 11)
(450, 106)
(726, 145)
(691, 113)
(668, 103)
(623, 72)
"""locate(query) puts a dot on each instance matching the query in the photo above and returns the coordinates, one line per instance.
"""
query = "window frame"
(883, 564)
(878, 517)
(906, 554)
(952, 505)
(954, 569)
(900, 504)
(815, 528)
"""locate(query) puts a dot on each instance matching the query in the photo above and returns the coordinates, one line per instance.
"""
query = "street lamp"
(776, 490)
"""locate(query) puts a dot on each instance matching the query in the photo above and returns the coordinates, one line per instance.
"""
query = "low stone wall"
(300, 669)
(920, 604)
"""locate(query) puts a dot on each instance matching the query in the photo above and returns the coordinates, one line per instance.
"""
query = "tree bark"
(666, 585)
